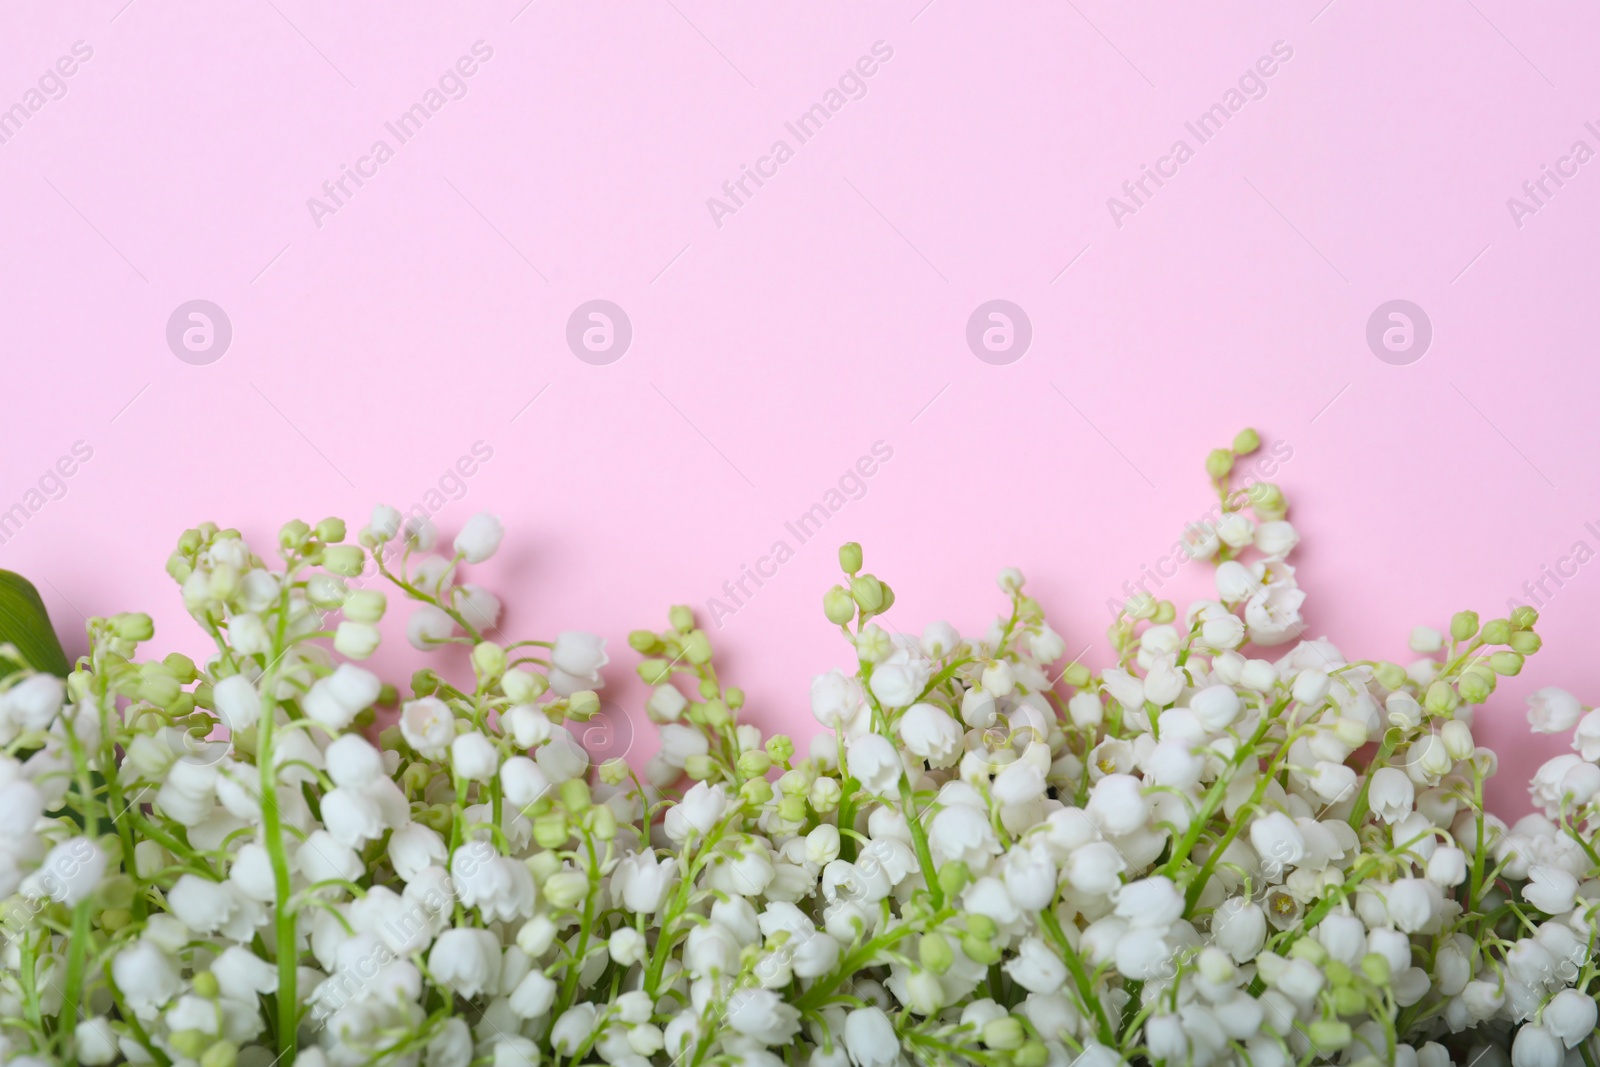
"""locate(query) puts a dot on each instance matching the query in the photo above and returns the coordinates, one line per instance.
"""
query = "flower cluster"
(1233, 845)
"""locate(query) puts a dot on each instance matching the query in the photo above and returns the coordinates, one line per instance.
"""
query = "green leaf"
(25, 624)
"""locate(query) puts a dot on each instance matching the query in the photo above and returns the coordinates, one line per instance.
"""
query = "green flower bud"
(344, 560)
(1076, 675)
(792, 809)
(292, 535)
(365, 605)
(583, 705)
(550, 829)
(224, 582)
(850, 557)
(1166, 611)
(566, 889)
(935, 952)
(330, 531)
(697, 647)
(190, 1043)
(1523, 618)
(1463, 624)
(1526, 642)
(614, 771)
(980, 951)
(1267, 500)
(1219, 463)
(1308, 949)
(757, 791)
(953, 878)
(867, 592)
(602, 822)
(114, 919)
(824, 795)
(1004, 1034)
(179, 568)
(1033, 1053)
(982, 926)
(189, 541)
(1329, 1035)
(699, 767)
(574, 794)
(644, 642)
(1506, 663)
(1497, 631)
(754, 764)
(488, 660)
(424, 682)
(1246, 441)
(157, 685)
(1348, 1000)
(133, 626)
(734, 697)
(716, 714)
(681, 616)
(523, 687)
(1376, 968)
(1390, 675)
(221, 1054)
(780, 748)
(1474, 688)
(1440, 698)
(205, 985)
(654, 671)
(838, 605)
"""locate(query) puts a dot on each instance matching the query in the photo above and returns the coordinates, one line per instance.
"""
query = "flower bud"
(1246, 441)
(1219, 463)
(756, 791)
(1523, 618)
(292, 535)
(1472, 687)
(133, 626)
(345, 560)
(1463, 624)
(523, 687)
(1329, 1035)
(838, 605)
(867, 592)
(1440, 699)
(1496, 631)
(1033, 1053)
(850, 557)
(583, 705)
(488, 660)
(1526, 642)
(365, 605)
(754, 764)
(1506, 663)
(1390, 675)
(681, 617)
(935, 952)
(1004, 1034)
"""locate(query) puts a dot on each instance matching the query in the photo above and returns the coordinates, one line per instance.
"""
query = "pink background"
(826, 314)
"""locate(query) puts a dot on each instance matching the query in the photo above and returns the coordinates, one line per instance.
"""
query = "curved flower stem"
(1052, 926)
